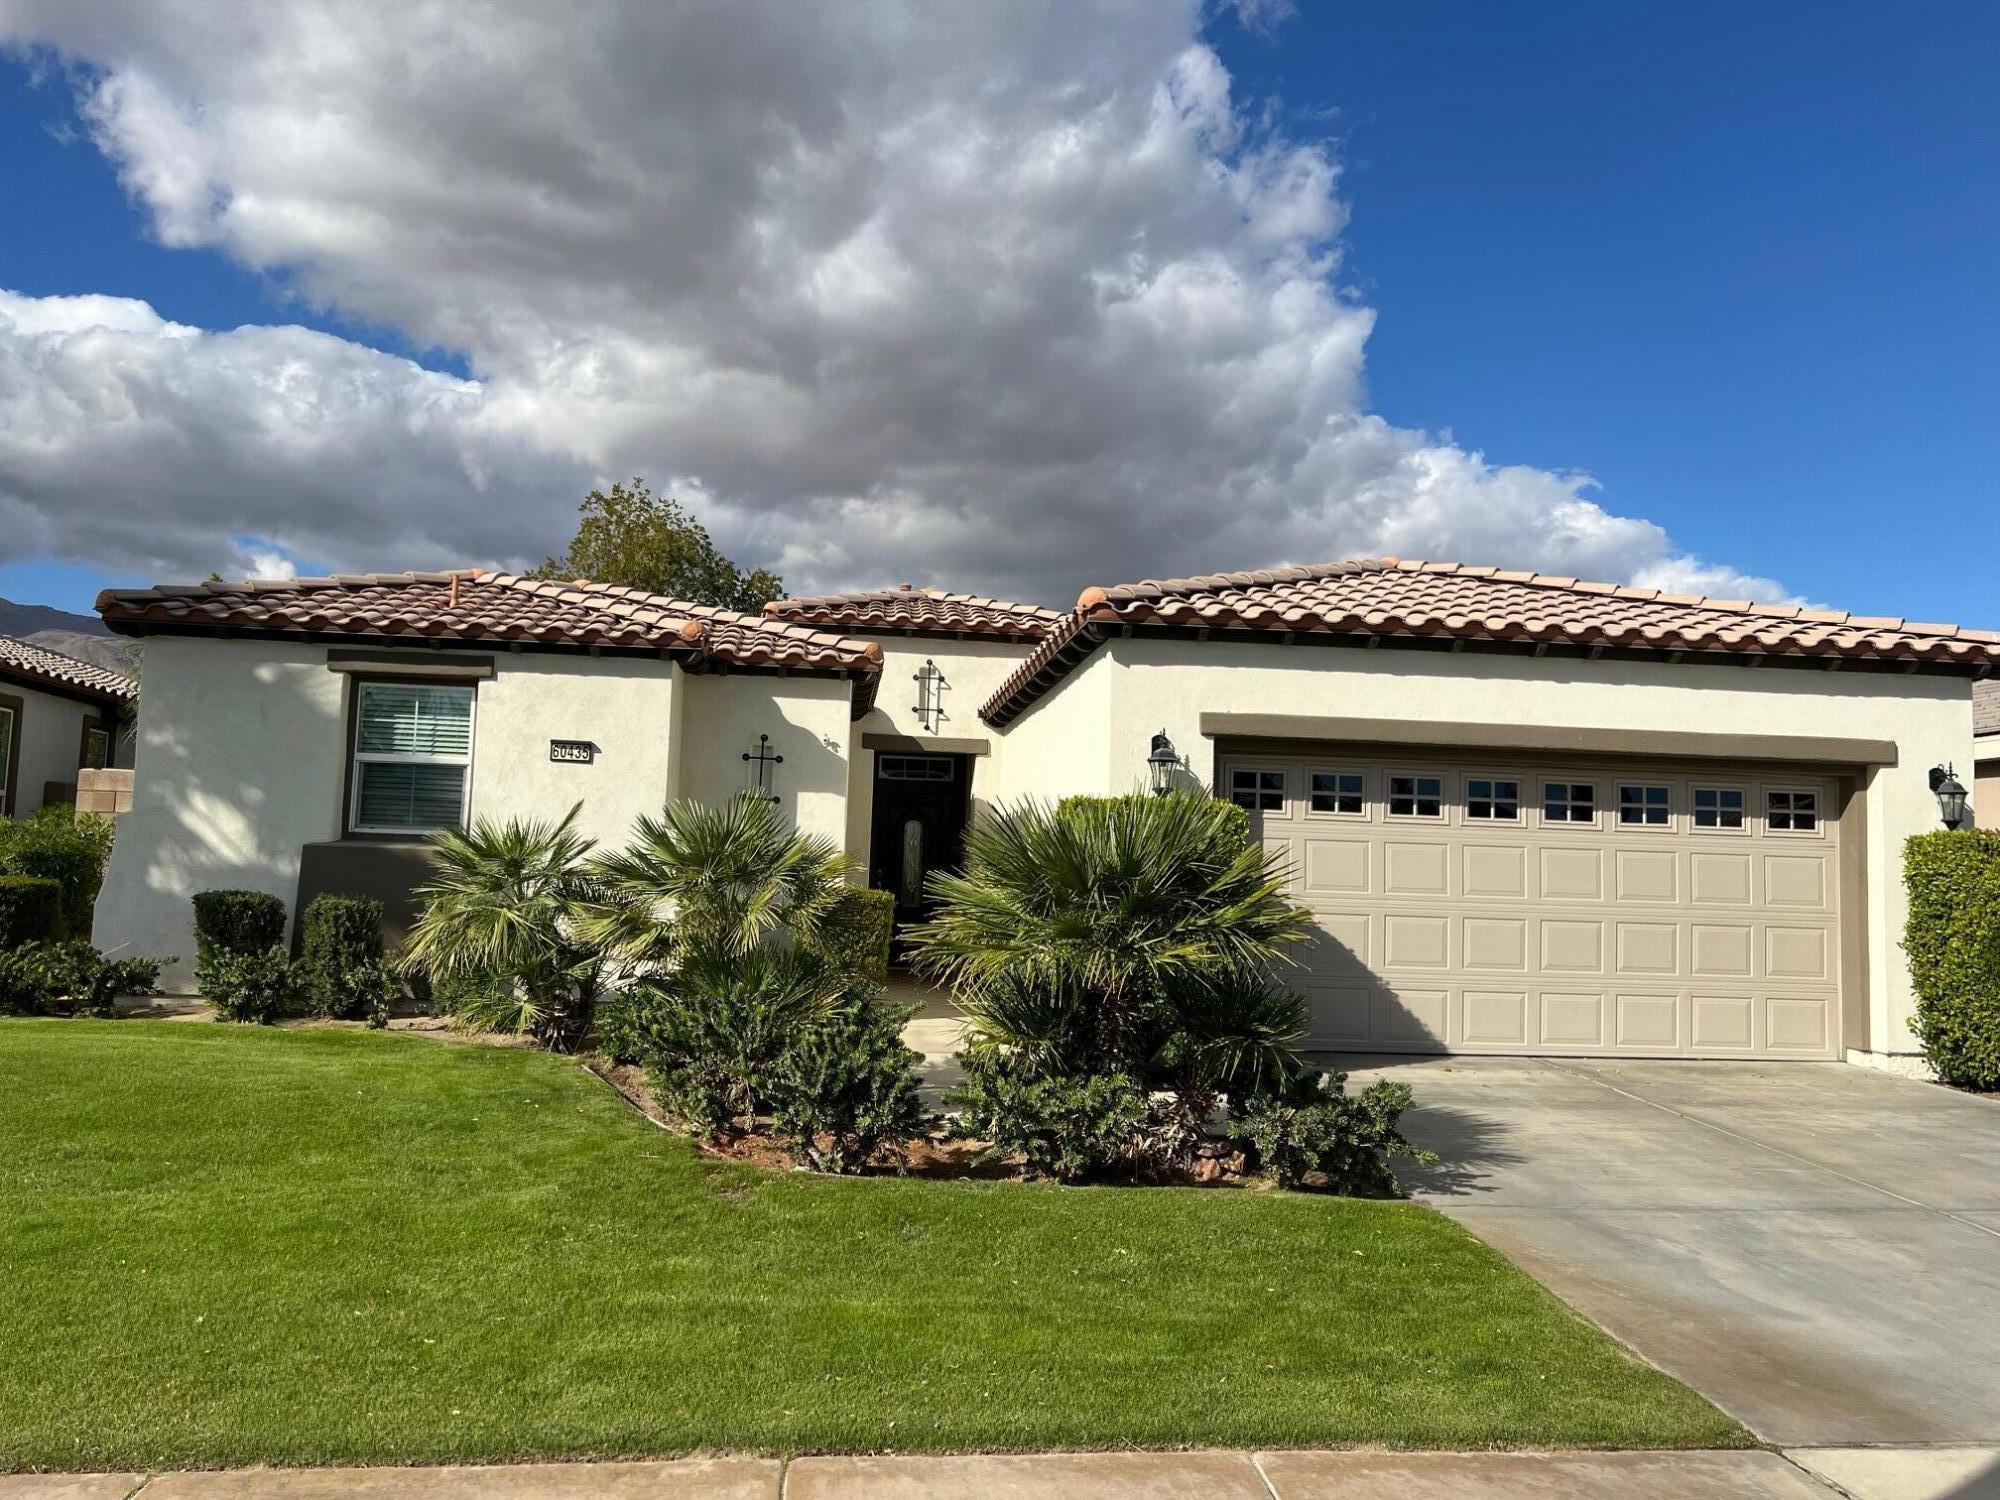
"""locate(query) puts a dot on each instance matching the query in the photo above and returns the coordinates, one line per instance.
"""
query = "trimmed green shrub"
(854, 934)
(254, 986)
(340, 959)
(1315, 1129)
(846, 1087)
(236, 922)
(30, 910)
(1064, 1126)
(1953, 942)
(70, 850)
(70, 979)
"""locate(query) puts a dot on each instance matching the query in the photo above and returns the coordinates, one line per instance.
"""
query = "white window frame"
(10, 750)
(1746, 812)
(1494, 780)
(359, 757)
(1817, 831)
(1359, 815)
(1665, 825)
(1415, 778)
(1567, 780)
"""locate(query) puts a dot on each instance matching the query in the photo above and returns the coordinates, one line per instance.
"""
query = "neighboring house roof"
(1986, 709)
(920, 611)
(485, 608)
(39, 667)
(1398, 600)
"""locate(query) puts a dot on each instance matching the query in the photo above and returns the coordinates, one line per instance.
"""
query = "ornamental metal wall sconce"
(931, 688)
(762, 763)
(1950, 792)
(1162, 763)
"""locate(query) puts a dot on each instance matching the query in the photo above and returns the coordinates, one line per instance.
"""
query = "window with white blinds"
(412, 757)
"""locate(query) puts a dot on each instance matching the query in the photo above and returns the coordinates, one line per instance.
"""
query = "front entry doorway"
(919, 826)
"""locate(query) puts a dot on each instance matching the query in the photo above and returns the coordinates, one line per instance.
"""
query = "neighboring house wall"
(1092, 733)
(1986, 785)
(49, 741)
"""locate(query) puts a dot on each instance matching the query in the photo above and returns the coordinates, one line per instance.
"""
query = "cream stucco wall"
(809, 721)
(1091, 734)
(1986, 784)
(242, 762)
(972, 670)
(50, 740)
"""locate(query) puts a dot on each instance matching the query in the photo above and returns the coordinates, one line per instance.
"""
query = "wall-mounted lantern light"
(930, 697)
(761, 764)
(1161, 764)
(1950, 792)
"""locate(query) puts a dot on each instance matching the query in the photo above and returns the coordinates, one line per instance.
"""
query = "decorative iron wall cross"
(761, 763)
(931, 688)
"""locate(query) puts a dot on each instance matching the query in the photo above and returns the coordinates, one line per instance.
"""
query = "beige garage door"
(1587, 909)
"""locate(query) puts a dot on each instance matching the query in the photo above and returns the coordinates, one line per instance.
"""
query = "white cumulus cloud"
(1014, 295)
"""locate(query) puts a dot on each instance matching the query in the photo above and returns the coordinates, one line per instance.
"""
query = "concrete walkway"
(1099, 1476)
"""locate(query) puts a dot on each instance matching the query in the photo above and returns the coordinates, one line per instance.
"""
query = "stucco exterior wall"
(1149, 684)
(809, 722)
(973, 670)
(50, 740)
(1067, 745)
(1986, 787)
(240, 764)
(622, 705)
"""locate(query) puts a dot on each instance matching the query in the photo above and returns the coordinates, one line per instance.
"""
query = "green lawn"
(223, 1245)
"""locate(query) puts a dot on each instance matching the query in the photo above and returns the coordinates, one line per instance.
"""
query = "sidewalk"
(1862, 1474)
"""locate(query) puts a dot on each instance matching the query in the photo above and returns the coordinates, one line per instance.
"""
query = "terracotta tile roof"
(1986, 707)
(920, 611)
(22, 662)
(474, 606)
(1397, 598)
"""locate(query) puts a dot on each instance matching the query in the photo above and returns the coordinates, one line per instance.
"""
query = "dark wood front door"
(919, 829)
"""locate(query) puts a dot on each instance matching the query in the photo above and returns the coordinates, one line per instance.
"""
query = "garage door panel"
(1617, 931)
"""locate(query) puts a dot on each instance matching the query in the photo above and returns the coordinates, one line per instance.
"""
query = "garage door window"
(1489, 800)
(1718, 807)
(1569, 802)
(1791, 811)
(1416, 797)
(1644, 806)
(1340, 792)
(1259, 791)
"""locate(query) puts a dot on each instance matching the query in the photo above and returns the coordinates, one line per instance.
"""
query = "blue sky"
(1738, 263)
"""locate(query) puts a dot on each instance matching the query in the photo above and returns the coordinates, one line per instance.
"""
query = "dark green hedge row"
(70, 850)
(854, 936)
(30, 910)
(236, 922)
(1953, 942)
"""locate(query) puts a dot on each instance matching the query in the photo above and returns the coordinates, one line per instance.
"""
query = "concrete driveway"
(1813, 1246)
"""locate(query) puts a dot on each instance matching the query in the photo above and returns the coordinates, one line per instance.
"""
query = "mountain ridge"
(81, 636)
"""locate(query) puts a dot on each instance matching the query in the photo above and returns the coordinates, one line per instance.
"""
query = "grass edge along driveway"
(229, 1245)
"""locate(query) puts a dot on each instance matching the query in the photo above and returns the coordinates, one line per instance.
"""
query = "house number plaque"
(576, 752)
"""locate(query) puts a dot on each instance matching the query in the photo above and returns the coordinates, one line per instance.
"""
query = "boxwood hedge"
(1953, 943)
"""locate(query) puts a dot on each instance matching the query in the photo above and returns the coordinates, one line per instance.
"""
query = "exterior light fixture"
(761, 763)
(1161, 764)
(1950, 792)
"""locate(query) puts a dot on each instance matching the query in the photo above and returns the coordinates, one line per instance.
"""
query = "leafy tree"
(630, 536)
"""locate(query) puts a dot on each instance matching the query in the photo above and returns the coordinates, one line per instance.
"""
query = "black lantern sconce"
(1161, 764)
(761, 763)
(1950, 792)
(931, 688)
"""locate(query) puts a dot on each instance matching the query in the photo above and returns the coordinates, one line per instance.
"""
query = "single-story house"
(1986, 754)
(1531, 814)
(58, 716)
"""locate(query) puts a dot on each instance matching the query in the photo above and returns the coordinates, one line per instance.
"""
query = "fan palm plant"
(711, 879)
(500, 929)
(1110, 928)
